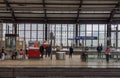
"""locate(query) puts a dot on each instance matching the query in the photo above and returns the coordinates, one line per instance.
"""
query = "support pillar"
(15, 31)
(108, 34)
(76, 34)
(45, 31)
(116, 37)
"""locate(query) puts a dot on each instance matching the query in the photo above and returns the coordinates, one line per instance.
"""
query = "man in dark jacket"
(70, 52)
(99, 49)
(42, 51)
(49, 51)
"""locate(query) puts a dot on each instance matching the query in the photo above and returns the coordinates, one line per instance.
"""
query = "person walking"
(107, 52)
(70, 52)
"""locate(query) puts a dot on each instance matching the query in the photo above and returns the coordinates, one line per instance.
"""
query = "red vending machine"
(33, 51)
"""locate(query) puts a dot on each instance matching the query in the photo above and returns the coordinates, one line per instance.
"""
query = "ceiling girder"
(8, 7)
(113, 12)
(44, 9)
(30, 3)
(78, 11)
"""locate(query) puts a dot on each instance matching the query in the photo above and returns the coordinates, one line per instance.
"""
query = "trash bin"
(60, 55)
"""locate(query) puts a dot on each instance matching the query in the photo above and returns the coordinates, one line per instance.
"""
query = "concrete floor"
(75, 61)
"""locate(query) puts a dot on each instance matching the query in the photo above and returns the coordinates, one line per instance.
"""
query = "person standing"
(3, 54)
(21, 54)
(41, 50)
(14, 54)
(49, 51)
(99, 49)
(70, 52)
(107, 52)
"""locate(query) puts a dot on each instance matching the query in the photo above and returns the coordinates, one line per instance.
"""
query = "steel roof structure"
(60, 11)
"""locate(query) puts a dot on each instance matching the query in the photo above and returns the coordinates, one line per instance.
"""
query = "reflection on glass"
(10, 42)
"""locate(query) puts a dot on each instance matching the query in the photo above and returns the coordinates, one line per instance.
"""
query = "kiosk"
(33, 50)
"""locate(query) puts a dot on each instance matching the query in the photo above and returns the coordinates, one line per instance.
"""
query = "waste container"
(60, 55)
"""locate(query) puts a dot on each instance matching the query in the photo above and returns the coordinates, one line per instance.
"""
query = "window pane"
(101, 35)
(118, 35)
(101, 27)
(101, 42)
(10, 26)
(118, 26)
(113, 35)
(95, 27)
(113, 42)
(33, 39)
(70, 27)
(27, 41)
(21, 34)
(40, 26)
(40, 34)
(34, 26)
(33, 34)
(95, 34)
(118, 43)
(52, 27)
(82, 27)
(64, 27)
(89, 34)
(82, 33)
(27, 34)
(4, 26)
(70, 34)
(64, 41)
(89, 27)
(27, 26)
(57, 42)
(113, 27)
(41, 40)
(88, 43)
(21, 26)
(95, 43)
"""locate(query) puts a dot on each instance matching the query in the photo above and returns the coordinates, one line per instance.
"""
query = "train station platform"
(68, 68)
(75, 61)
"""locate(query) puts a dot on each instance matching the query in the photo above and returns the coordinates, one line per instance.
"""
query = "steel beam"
(113, 12)
(8, 7)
